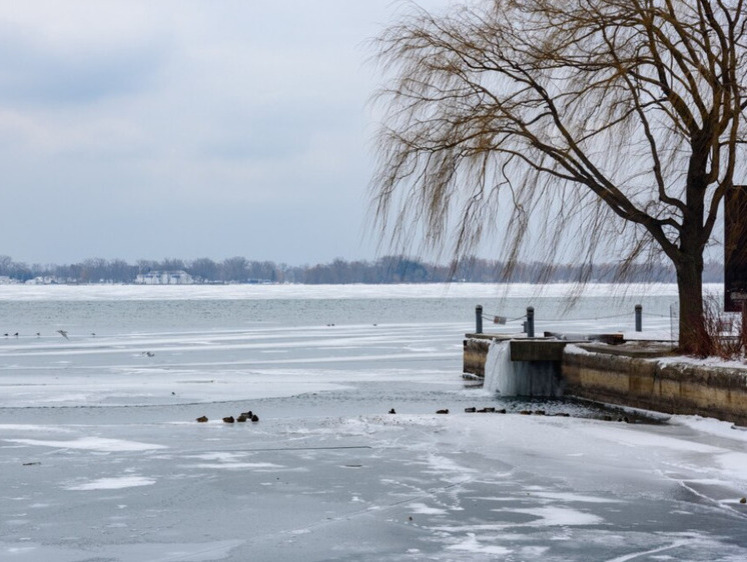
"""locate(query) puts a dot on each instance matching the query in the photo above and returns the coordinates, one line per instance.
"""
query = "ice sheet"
(305, 292)
(101, 455)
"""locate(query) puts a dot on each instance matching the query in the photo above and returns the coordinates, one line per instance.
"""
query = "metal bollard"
(530, 321)
(478, 319)
(638, 318)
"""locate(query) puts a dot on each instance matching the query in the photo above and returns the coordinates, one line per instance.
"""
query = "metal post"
(638, 318)
(530, 321)
(478, 319)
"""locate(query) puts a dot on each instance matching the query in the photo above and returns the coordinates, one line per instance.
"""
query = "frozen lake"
(101, 458)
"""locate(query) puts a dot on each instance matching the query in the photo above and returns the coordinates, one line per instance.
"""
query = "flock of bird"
(241, 418)
(493, 410)
(63, 333)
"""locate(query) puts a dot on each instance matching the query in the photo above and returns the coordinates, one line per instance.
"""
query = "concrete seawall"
(653, 384)
(640, 377)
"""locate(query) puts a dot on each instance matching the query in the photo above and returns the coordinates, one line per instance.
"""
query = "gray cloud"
(186, 129)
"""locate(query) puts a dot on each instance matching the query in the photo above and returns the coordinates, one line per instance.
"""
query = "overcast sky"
(187, 129)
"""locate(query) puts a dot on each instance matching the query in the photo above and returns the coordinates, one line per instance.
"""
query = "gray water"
(138, 315)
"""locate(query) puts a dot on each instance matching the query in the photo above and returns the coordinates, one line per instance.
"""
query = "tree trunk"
(694, 338)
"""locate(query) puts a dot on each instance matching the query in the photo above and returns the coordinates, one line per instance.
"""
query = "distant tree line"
(388, 269)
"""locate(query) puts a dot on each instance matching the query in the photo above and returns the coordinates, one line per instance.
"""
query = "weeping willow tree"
(608, 125)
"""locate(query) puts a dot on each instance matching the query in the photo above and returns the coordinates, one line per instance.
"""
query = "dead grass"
(724, 330)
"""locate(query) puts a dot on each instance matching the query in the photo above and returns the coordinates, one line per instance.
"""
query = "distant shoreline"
(383, 271)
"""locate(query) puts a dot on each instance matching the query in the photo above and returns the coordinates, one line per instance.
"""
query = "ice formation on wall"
(519, 378)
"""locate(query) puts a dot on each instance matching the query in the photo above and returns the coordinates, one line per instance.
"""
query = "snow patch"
(551, 516)
(441, 464)
(113, 483)
(638, 439)
(92, 444)
(258, 466)
(422, 509)
(573, 498)
(472, 544)
(712, 426)
(36, 428)
(703, 362)
(573, 349)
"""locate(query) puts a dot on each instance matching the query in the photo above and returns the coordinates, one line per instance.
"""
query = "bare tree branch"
(601, 113)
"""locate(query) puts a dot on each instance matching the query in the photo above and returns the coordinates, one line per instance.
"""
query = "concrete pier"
(522, 349)
(640, 375)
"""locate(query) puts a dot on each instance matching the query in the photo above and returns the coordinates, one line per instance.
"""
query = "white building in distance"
(165, 278)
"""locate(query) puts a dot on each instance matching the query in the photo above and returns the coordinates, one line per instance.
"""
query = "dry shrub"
(724, 329)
